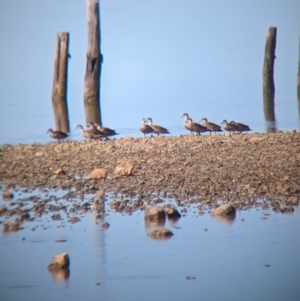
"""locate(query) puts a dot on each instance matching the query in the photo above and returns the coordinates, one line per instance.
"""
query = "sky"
(161, 58)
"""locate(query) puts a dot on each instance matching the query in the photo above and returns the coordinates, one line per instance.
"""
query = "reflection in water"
(61, 275)
(173, 220)
(150, 224)
(271, 126)
(225, 219)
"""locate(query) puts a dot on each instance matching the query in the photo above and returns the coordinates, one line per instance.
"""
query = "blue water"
(253, 257)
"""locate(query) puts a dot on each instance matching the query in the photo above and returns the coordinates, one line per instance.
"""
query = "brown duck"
(194, 126)
(90, 133)
(58, 135)
(106, 132)
(229, 126)
(241, 127)
(157, 129)
(211, 127)
(145, 128)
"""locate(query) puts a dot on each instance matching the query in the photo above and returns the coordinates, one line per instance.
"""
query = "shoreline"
(261, 169)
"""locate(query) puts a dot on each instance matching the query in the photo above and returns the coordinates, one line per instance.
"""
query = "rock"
(225, 209)
(98, 173)
(154, 213)
(124, 169)
(58, 262)
(160, 233)
(105, 225)
(59, 172)
(6, 195)
(287, 209)
(171, 211)
(11, 227)
(2, 209)
(74, 220)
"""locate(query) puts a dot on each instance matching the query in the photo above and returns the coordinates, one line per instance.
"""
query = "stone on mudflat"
(160, 233)
(59, 172)
(124, 169)
(58, 262)
(98, 173)
(225, 209)
(154, 213)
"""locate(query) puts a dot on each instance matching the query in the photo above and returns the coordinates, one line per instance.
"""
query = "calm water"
(228, 260)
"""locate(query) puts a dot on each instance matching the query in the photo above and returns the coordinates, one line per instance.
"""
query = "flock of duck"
(95, 131)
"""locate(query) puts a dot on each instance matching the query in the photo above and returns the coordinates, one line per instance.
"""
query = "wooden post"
(268, 75)
(59, 87)
(298, 81)
(91, 97)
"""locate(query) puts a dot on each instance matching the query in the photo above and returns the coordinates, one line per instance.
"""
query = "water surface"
(253, 257)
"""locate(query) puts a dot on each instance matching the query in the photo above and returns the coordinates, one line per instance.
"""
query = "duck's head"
(49, 131)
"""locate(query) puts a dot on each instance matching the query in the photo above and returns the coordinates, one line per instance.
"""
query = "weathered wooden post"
(298, 81)
(59, 87)
(91, 97)
(268, 75)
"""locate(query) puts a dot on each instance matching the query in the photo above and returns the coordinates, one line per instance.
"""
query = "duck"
(145, 128)
(157, 129)
(194, 126)
(211, 127)
(229, 126)
(58, 135)
(106, 132)
(89, 133)
(241, 127)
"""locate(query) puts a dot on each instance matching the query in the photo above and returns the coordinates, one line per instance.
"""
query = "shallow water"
(228, 260)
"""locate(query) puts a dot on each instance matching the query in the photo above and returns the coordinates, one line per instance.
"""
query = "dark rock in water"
(225, 209)
(160, 233)
(190, 278)
(154, 213)
(171, 211)
(58, 262)
(74, 220)
(56, 217)
(288, 209)
(7, 196)
(105, 225)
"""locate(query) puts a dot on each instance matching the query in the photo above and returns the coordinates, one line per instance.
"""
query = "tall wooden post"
(268, 75)
(91, 97)
(59, 87)
(298, 81)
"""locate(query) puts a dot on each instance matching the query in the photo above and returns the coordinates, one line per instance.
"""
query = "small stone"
(11, 227)
(171, 211)
(7, 196)
(225, 209)
(59, 172)
(124, 169)
(60, 261)
(154, 213)
(98, 173)
(74, 220)
(105, 225)
(160, 233)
